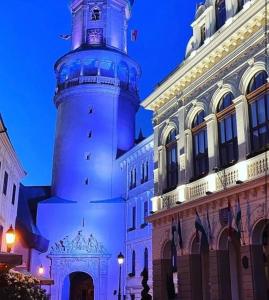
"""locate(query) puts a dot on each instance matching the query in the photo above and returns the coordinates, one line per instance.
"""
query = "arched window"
(258, 100)
(146, 259)
(123, 75)
(90, 68)
(133, 263)
(95, 14)
(200, 147)
(228, 144)
(220, 13)
(171, 160)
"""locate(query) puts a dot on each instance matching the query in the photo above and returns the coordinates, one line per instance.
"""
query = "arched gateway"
(79, 268)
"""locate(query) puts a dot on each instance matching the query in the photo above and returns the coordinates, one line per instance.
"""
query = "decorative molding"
(78, 245)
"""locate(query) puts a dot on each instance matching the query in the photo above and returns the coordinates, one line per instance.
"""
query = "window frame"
(14, 193)
(219, 9)
(254, 97)
(5, 183)
(196, 130)
(224, 114)
(171, 170)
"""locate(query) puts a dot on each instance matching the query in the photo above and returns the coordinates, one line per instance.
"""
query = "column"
(242, 126)
(213, 274)
(212, 138)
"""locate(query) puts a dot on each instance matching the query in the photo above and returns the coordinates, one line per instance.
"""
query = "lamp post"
(10, 238)
(120, 261)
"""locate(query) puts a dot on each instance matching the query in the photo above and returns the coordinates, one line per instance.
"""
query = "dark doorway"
(81, 286)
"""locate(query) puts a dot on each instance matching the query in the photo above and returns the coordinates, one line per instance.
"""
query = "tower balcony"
(102, 80)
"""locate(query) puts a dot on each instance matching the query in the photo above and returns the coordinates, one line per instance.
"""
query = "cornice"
(222, 44)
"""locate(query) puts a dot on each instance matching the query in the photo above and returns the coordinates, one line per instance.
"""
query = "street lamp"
(120, 261)
(41, 270)
(10, 238)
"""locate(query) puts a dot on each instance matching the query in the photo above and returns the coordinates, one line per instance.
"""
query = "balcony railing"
(243, 171)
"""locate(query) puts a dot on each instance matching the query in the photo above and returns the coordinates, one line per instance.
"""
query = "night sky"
(30, 45)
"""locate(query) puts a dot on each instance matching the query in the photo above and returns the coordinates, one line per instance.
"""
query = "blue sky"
(30, 45)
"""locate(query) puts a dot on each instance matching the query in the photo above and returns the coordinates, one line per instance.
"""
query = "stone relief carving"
(80, 244)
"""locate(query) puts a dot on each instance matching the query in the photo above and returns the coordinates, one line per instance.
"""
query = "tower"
(96, 99)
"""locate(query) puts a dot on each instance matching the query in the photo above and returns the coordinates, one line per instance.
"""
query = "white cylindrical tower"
(96, 99)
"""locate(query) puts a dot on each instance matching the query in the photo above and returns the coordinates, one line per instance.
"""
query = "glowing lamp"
(212, 183)
(10, 238)
(154, 201)
(182, 193)
(41, 270)
(120, 259)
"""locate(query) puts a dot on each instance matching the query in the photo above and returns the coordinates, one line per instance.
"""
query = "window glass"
(133, 263)
(90, 68)
(95, 14)
(171, 160)
(5, 185)
(258, 80)
(220, 13)
(200, 148)
(146, 259)
(107, 68)
(261, 110)
(225, 101)
(13, 194)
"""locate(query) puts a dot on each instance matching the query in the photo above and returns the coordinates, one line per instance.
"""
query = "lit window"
(220, 13)
(95, 14)
(5, 183)
(200, 146)
(171, 160)
(258, 100)
(228, 144)
(14, 194)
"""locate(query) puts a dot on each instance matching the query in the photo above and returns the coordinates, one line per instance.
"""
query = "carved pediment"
(80, 244)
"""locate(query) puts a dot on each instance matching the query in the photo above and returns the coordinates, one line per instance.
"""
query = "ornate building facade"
(102, 178)
(211, 137)
(11, 174)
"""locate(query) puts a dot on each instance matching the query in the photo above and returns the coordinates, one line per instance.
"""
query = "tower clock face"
(95, 36)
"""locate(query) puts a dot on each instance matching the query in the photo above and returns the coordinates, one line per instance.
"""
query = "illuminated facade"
(211, 139)
(102, 179)
(11, 174)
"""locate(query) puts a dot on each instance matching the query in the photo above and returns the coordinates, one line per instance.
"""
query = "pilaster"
(212, 138)
(242, 126)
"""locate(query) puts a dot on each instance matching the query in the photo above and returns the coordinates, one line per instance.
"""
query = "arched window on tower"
(95, 13)
(228, 144)
(258, 99)
(123, 75)
(200, 146)
(220, 13)
(171, 160)
(146, 259)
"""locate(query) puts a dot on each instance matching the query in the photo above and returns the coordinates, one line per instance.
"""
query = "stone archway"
(229, 265)
(199, 268)
(76, 255)
(260, 259)
(81, 286)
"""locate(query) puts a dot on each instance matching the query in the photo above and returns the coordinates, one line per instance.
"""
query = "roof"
(29, 198)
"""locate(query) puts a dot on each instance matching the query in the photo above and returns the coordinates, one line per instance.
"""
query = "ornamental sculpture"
(79, 245)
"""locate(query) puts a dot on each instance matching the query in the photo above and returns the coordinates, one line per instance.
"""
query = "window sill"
(131, 229)
(142, 226)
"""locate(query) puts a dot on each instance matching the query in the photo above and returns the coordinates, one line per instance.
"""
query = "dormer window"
(220, 13)
(203, 35)
(95, 14)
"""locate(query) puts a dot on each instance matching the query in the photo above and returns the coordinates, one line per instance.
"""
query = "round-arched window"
(258, 99)
(220, 13)
(227, 127)
(171, 160)
(200, 146)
